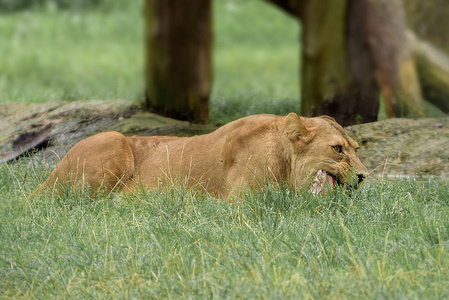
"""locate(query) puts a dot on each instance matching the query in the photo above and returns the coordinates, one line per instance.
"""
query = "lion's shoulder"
(250, 125)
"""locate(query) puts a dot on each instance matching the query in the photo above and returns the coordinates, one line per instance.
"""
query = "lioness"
(249, 152)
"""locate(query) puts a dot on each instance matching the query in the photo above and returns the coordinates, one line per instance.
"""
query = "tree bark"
(352, 51)
(338, 66)
(325, 71)
(179, 58)
(395, 68)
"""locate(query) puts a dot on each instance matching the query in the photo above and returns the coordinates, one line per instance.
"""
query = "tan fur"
(247, 152)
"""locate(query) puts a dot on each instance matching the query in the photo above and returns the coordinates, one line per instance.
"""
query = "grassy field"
(256, 61)
(388, 240)
(50, 55)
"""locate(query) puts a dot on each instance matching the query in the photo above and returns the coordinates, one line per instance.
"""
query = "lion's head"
(323, 153)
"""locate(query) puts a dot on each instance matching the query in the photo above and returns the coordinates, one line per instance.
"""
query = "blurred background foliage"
(20, 5)
(16, 5)
(94, 49)
(429, 19)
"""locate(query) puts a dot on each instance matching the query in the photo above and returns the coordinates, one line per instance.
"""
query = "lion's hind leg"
(102, 161)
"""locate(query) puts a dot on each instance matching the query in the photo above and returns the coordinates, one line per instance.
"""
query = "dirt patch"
(404, 146)
(394, 147)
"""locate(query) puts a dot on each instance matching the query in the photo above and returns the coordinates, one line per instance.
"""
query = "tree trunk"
(179, 58)
(352, 50)
(395, 68)
(338, 67)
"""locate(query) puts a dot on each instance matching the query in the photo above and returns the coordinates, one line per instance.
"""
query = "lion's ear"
(295, 128)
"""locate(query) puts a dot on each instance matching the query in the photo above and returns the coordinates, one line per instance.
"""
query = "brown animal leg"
(103, 161)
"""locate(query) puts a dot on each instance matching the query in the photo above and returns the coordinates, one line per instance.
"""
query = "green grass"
(257, 50)
(389, 240)
(50, 55)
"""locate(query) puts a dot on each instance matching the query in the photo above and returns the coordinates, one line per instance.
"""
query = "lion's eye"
(338, 149)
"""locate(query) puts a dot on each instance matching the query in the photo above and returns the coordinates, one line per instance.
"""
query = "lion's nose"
(361, 177)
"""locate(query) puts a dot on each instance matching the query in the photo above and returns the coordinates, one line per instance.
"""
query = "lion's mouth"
(322, 182)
